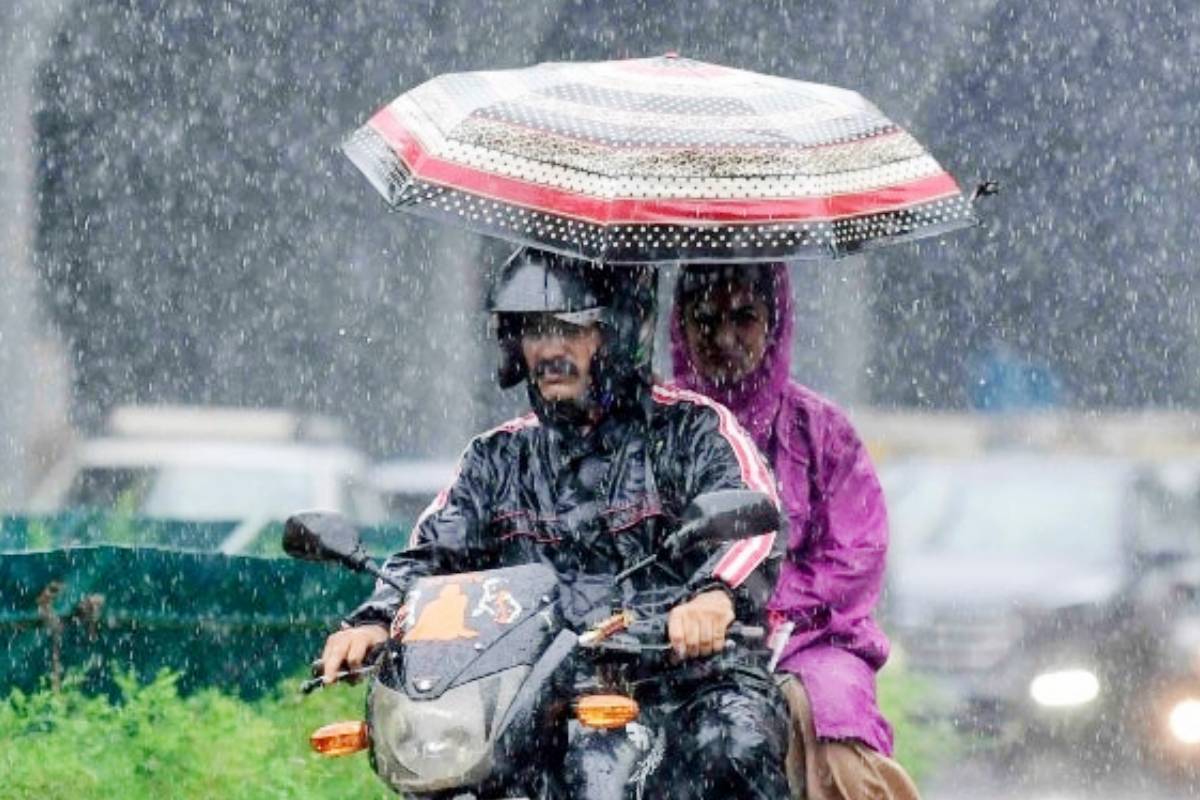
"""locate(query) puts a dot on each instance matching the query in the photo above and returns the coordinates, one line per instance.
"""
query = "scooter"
(494, 672)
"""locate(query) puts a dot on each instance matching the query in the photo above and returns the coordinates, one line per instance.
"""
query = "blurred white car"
(408, 486)
(214, 464)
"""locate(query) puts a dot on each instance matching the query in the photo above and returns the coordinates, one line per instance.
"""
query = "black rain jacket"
(595, 504)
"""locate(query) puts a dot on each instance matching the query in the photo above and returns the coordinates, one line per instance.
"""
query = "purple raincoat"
(830, 581)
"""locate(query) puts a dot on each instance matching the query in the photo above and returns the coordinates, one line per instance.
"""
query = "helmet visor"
(567, 325)
(562, 323)
(583, 318)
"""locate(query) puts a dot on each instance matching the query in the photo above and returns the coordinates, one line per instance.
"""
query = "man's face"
(558, 356)
(726, 328)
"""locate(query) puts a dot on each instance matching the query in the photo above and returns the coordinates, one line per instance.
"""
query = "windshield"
(195, 492)
(1019, 513)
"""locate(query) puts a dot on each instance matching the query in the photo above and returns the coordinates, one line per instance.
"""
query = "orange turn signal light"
(606, 711)
(340, 738)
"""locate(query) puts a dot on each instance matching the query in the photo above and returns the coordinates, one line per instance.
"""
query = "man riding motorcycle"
(590, 483)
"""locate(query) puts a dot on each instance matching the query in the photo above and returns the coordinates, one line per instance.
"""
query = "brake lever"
(311, 685)
(317, 670)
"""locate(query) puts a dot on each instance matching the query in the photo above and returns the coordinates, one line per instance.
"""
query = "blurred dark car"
(1053, 599)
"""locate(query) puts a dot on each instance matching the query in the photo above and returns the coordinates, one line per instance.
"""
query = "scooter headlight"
(1064, 688)
(451, 752)
(429, 745)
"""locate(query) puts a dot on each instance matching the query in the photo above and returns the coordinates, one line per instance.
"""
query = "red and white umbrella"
(657, 159)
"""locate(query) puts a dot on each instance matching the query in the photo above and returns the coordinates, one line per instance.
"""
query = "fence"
(159, 599)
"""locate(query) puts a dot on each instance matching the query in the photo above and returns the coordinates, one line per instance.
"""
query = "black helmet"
(619, 299)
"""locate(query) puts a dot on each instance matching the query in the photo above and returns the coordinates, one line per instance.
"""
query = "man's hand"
(349, 647)
(697, 627)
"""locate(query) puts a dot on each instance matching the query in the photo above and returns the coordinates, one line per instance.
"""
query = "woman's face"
(726, 327)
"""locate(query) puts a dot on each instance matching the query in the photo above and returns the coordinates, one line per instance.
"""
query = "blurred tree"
(201, 239)
(1087, 113)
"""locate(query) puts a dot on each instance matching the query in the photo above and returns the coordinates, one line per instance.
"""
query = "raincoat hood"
(755, 400)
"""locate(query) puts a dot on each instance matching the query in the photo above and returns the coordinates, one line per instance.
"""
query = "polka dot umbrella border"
(657, 160)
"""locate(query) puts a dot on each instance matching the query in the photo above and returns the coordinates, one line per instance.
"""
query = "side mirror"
(324, 536)
(725, 516)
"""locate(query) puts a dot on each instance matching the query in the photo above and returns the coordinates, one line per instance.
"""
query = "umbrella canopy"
(657, 159)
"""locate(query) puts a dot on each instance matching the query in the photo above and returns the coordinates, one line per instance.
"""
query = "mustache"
(558, 367)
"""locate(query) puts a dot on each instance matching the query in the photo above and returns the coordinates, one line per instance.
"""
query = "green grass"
(152, 744)
(920, 746)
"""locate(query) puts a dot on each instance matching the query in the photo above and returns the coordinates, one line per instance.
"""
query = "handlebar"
(748, 633)
(649, 636)
(655, 628)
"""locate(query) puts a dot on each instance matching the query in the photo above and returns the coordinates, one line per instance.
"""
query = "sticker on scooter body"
(450, 627)
(498, 603)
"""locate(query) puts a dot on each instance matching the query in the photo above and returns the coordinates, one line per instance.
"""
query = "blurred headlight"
(1184, 721)
(1063, 688)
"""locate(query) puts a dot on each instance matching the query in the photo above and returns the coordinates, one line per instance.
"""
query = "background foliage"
(151, 743)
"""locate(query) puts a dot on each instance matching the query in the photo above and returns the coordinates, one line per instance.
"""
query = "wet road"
(1051, 777)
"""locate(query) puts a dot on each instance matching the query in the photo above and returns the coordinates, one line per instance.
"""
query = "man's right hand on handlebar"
(347, 648)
